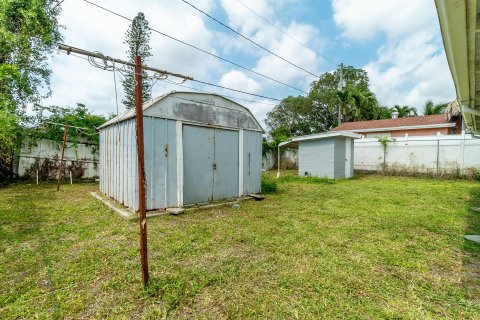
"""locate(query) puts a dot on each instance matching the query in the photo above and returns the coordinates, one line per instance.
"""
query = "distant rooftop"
(433, 121)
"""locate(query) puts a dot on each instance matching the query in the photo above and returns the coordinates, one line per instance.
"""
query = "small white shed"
(329, 154)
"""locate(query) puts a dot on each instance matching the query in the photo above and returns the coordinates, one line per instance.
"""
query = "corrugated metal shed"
(198, 147)
(328, 154)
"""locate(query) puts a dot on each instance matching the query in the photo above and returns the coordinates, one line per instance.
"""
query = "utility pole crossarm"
(69, 49)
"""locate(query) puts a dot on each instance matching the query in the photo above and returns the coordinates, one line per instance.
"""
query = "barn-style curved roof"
(195, 107)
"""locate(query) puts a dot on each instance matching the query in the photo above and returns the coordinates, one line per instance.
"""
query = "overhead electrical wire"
(199, 49)
(199, 81)
(231, 97)
(250, 40)
(236, 90)
(285, 32)
(70, 126)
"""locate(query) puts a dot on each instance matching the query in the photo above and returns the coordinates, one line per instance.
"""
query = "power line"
(202, 82)
(70, 126)
(236, 90)
(105, 60)
(199, 49)
(202, 102)
(284, 32)
(231, 97)
(250, 40)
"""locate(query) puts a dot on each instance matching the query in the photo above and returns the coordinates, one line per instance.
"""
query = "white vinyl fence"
(44, 155)
(450, 154)
(289, 159)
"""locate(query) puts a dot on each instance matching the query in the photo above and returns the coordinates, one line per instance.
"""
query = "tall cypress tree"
(137, 40)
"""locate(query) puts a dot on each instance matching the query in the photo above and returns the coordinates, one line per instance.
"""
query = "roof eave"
(128, 114)
(458, 23)
(331, 134)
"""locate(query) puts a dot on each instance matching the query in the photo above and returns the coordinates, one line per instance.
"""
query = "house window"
(377, 135)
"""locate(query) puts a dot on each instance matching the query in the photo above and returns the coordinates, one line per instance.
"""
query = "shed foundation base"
(129, 214)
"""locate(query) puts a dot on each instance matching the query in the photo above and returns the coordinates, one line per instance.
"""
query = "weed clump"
(268, 185)
(307, 179)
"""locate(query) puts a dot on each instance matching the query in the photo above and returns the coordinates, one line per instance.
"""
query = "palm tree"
(405, 111)
(383, 112)
(344, 98)
(365, 105)
(356, 104)
(430, 108)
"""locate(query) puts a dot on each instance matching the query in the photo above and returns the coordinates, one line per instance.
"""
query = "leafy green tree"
(358, 104)
(355, 100)
(405, 111)
(10, 141)
(318, 111)
(383, 113)
(430, 108)
(48, 127)
(29, 32)
(137, 40)
(299, 115)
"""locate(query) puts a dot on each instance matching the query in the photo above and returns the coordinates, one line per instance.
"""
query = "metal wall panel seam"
(240, 163)
(127, 166)
(100, 145)
(166, 154)
(179, 129)
(134, 165)
(152, 166)
(171, 164)
(122, 163)
(107, 162)
(131, 169)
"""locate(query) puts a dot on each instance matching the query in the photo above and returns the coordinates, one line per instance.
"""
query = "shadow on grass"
(471, 250)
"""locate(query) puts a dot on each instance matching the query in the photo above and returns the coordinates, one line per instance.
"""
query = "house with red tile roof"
(399, 127)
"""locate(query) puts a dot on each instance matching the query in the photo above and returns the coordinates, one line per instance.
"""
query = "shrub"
(268, 185)
(476, 176)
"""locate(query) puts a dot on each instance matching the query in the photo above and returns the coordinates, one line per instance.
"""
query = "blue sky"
(398, 42)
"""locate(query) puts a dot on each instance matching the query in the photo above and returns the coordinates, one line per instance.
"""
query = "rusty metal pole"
(141, 169)
(61, 160)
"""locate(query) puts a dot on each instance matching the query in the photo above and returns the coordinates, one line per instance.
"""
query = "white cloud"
(238, 80)
(293, 52)
(362, 20)
(242, 19)
(410, 66)
(268, 36)
(439, 89)
(260, 110)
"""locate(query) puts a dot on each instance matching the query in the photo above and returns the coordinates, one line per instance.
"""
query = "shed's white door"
(348, 157)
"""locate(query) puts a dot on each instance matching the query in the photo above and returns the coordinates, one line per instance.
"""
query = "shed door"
(225, 171)
(198, 156)
(210, 164)
(348, 157)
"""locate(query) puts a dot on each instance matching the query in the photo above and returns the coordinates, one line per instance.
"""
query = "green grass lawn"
(366, 248)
